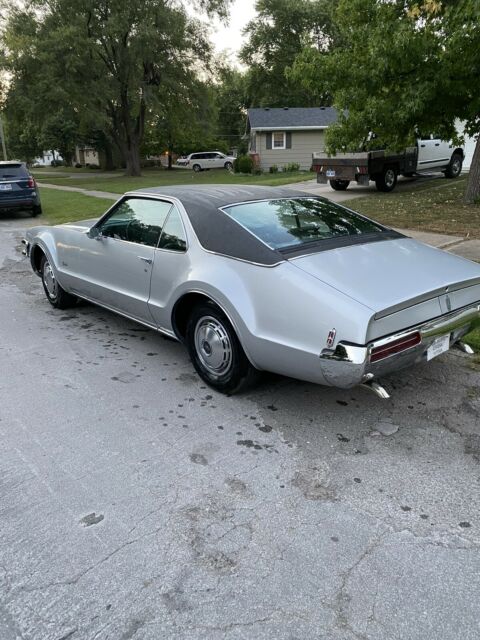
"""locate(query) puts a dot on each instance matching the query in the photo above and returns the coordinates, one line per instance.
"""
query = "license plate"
(330, 173)
(438, 346)
(5, 187)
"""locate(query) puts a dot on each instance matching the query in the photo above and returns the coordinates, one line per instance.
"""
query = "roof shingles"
(291, 117)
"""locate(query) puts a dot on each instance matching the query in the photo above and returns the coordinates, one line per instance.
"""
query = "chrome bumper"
(348, 364)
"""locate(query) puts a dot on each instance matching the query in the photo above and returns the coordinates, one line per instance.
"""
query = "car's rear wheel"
(37, 210)
(454, 169)
(197, 168)
(216, 352)
(56, 295)
(339, 185)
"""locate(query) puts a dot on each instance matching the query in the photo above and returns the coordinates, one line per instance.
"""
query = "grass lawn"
(156, 178)
(67, 206)
(435, 206)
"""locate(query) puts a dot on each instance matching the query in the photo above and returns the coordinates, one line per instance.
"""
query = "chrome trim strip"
(154, 327)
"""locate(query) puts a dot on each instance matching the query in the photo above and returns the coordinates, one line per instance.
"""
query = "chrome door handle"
(147, 260)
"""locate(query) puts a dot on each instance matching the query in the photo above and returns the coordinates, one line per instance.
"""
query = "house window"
(279, 140)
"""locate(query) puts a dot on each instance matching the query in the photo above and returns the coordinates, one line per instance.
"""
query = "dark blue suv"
(18, 189)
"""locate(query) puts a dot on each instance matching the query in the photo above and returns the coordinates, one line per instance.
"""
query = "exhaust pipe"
(377, 389)
(466, 348)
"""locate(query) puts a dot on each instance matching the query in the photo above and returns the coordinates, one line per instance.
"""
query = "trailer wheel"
(387, 180)
(339, 185)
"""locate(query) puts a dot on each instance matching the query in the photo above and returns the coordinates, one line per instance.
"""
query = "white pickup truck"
(429, 154)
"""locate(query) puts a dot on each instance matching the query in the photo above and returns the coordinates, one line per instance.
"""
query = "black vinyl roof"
(215, 230)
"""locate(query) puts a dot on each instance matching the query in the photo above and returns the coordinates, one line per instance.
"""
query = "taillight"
(396, 346)
(31, 183)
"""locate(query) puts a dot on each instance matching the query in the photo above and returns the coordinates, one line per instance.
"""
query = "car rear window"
(12, 171)
(298, 221)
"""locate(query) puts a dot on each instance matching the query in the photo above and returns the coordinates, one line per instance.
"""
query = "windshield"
(289, 223)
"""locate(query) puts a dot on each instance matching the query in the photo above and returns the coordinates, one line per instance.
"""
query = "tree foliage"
(405, 66)
(117, 65)
(281, 31)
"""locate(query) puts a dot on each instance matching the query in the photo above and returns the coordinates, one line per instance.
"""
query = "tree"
(114, 61)
(231, 100)
(278, 33)
(405, 65)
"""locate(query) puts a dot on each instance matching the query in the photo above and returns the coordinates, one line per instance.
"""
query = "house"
(86, 156)
(45, 160)
(282, 136)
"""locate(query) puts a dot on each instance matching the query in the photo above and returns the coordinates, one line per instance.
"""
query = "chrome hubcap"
(49, 280)
(213, 346)
(456, 166)
(389, 177)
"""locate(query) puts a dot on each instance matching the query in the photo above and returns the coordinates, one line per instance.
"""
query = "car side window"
(173, 235)
(137, 220)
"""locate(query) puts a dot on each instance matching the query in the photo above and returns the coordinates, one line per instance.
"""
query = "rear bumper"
(348, 364)
(19, 203)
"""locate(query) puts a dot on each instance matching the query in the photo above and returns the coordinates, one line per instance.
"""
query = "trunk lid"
(396, 275)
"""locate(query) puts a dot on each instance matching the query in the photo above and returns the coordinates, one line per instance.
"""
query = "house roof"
(292, 118)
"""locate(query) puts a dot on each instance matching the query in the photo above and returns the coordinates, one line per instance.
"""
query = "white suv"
(207, 160)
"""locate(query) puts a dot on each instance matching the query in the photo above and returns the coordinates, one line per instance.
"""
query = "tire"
(387, 180)
(339, 185)
(216, 352)
(454, 168)
(228, 166)
(57, 296)
(197, 168)
(37, 210)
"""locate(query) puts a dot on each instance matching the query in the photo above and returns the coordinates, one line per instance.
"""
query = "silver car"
(262, 278)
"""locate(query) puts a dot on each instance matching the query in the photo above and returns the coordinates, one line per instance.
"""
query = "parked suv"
(207, 160)
(18, 189)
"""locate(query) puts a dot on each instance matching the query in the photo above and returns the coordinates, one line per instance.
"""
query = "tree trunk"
(169, 159)
(132, 158)
(108, 151)
(472, 192)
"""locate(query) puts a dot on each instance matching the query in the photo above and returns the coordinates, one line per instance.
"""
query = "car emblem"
(331, 337)
(448, 303)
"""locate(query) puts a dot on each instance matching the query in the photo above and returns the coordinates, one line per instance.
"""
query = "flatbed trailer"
(380, 166)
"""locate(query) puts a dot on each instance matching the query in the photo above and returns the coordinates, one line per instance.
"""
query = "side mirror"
(94, 233)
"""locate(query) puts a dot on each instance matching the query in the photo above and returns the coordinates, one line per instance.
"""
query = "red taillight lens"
(31, 183)
(396, 346)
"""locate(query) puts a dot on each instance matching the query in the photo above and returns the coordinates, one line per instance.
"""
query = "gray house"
(291, 134)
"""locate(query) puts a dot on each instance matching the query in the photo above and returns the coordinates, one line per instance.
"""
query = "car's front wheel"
(228, 166)
(216, 352)
(56, 295)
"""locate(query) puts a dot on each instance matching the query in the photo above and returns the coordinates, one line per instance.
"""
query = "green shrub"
(243, 164)
(291, 167)
(273, 169)
(93, 166)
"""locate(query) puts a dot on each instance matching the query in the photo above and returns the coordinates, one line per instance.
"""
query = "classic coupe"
(256, 278)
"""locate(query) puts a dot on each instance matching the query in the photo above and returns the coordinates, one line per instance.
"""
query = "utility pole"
(2, 136)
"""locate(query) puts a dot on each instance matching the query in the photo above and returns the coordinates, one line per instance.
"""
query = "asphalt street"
(136, 503)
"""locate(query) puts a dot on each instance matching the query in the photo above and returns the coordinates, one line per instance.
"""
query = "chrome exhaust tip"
(377, 389)
(466, 348)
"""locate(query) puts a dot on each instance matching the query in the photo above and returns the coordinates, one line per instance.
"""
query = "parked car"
(18, 189)
(429, 154)
(207, 160)
(262, 278)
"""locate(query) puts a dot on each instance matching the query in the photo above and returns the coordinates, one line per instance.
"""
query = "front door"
(115, 267)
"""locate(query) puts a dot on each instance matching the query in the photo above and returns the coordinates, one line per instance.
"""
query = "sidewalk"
(463, 247)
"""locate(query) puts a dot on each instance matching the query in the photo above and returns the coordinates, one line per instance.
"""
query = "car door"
(426, 153)
(219, 161)
(171, 268)
(115, 266)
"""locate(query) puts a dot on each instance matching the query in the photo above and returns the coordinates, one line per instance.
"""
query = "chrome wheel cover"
(456, 167)
(49, 280)
(213, 346)
(389, 177)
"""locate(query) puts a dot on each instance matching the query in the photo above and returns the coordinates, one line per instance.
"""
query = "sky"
(229, 38)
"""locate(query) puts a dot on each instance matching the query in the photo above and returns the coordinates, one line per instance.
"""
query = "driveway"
(136, 503)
